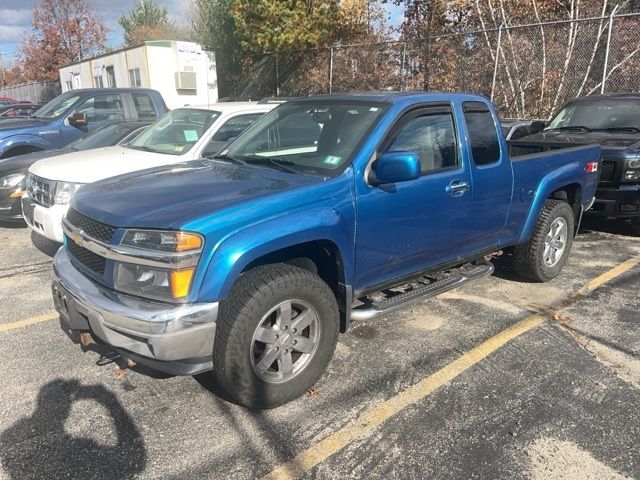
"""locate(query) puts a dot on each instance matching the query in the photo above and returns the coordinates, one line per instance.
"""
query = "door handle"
(457, 187)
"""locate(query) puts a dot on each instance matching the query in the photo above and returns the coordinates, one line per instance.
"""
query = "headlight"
(11, 180)
(633, 163)
(179, 251)
(65, 192)
(632, 175)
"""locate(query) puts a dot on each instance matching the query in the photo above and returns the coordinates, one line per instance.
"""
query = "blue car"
(73, 114)
(327, 209)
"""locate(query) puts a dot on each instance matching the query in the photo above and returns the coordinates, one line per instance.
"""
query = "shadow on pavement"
(39, 447)
(45, 245)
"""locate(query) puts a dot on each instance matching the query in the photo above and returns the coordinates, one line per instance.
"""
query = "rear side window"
(485, 147)
(144, 105)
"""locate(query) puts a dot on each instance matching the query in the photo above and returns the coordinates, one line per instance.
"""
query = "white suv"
(182, 134)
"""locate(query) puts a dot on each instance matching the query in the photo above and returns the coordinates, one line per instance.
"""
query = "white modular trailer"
(182, 72)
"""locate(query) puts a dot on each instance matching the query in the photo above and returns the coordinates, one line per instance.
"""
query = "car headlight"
(11, 180)
(65, 192)
(633, 163)
(175, 256)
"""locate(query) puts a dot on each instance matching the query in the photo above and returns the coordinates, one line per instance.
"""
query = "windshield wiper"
(619, 129)
(144, 148)
(280, 164)
(228, 158)
(571, 127)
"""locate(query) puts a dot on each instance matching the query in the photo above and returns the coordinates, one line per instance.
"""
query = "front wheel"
(543, 256)
(276, 334)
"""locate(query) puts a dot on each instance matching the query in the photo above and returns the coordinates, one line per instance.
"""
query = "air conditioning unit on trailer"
(186, 80)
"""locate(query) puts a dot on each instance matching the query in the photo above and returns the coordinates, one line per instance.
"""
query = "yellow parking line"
(316, 454)
(28, 321)
(610, 275)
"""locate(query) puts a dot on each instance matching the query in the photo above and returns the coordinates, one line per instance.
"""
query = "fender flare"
(554, 180)
(25, 140)
(231, 255)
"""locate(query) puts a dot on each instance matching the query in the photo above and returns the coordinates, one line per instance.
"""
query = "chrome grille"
(92, 261)
(607, 170)
(96, 230)
(40, 190)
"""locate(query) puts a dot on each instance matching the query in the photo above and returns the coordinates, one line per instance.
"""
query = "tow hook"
(120, 372)
(85, 340)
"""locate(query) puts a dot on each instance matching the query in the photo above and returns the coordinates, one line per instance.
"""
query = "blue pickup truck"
(73, 114)
(328, 210)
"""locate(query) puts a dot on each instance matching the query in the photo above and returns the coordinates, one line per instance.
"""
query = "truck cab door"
(492, 176)
(408, 226)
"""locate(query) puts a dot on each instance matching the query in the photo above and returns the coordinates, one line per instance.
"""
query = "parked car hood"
(608, 140)
(20, 163)
(168, 197)
(20, 123)
(92, 165)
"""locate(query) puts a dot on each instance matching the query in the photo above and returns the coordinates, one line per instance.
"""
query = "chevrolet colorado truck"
(613, 121)
(248, 264)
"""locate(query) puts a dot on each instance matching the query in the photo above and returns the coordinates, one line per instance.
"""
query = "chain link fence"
(528, 71)
(37, 93)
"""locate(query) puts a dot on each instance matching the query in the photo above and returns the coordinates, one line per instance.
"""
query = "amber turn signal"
(180, 281)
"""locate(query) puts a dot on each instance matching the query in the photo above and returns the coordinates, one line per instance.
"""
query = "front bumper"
(617, 202)
(46, 221)
(10, 208)
(176, 339)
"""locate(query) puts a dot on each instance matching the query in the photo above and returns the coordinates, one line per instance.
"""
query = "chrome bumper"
(149, 330)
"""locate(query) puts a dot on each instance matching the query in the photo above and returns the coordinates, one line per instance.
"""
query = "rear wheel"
(547, 251)
(276, 333)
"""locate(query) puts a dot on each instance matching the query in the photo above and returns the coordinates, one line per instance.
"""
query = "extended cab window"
(430, 134)
(102, 108)
(144, 105)
(483, 136)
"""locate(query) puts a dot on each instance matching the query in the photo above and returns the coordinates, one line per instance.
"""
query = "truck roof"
(609, 96)
(110, 90)
(393, 97)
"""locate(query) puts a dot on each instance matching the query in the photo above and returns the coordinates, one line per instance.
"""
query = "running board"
(421, 289)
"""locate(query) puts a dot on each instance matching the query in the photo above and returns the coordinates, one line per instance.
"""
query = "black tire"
(253, 296)
(635, 226)
(528, 258)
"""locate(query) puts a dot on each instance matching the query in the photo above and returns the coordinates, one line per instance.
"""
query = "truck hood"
(92, 165)
(9, 124)
(168, 197)
(608, 140)
(21, 163)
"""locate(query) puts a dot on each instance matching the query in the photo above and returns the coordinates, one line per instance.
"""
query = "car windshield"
(609, 114)
(105, 136)
(310, 137)
(56, 107)
(176, 132)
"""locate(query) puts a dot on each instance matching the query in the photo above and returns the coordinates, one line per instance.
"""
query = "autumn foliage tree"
(146, 21)
(64, 32)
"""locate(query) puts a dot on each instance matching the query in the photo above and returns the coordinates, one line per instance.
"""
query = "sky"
(15, 18)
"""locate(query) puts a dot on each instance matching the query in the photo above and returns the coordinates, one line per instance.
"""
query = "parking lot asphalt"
(498, 379)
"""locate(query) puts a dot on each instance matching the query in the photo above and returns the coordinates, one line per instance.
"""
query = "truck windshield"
(56, 107)
(605, 114)
(176, 132)
(309, 137)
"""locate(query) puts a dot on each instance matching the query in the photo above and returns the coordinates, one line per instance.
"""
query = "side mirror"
(393, 167)
(537, 126)
(78, 120)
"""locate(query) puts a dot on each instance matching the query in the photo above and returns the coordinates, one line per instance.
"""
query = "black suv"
(613, 121)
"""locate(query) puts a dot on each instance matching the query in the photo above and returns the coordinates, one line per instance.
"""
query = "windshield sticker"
(374, 109)
(332, 160)
(191, 135)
